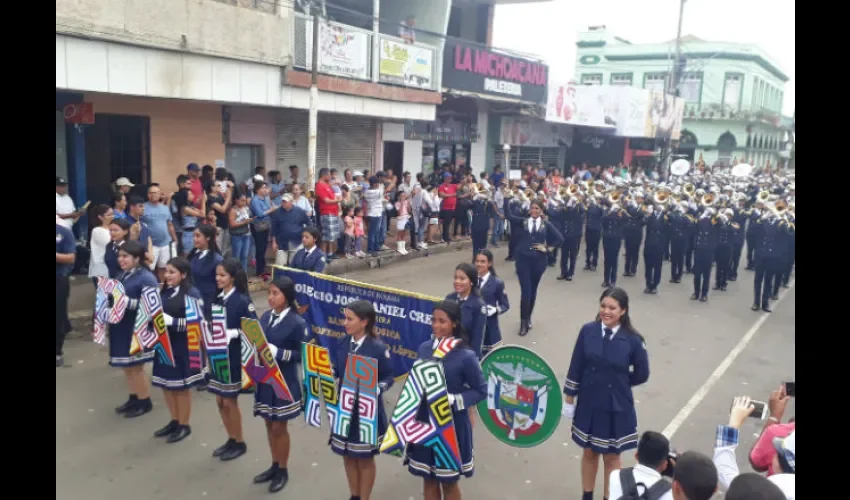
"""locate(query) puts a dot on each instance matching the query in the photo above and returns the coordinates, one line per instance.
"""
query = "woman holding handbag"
(261, 208)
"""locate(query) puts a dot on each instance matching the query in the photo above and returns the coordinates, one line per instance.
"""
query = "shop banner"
(344, 50)
(406, 64)
(629, 111)
(532, 132)
(404, 318)
(477, 69)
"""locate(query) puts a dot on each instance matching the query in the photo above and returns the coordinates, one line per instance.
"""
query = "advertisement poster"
(344, 51)
(532, 132)
(403, 318)
(406, 64)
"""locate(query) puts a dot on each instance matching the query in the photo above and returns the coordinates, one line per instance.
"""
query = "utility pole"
(314, 106)
(675, 76)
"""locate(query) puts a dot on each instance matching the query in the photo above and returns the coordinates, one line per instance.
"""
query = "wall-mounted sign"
(445, 129)
(476, 69)
(406, 64)
(532, 132)
(344, 50)
(589, 59)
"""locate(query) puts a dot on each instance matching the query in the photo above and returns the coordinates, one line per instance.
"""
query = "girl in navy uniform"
(608, 360)
(492, 290)
(482, 212)
(310, 257)
(592, 233)
(204, 258)
(134, 277)
(466, 387)
(175, 380)
(119, 231)
(359, 458)
(473, 310)
(705, 243)
(285, 331)
(535, 238)
(612, 237)
(233, 283)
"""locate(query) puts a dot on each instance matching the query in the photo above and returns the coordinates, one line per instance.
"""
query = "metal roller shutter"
(292, 141)
(343, 141)
(551, 157)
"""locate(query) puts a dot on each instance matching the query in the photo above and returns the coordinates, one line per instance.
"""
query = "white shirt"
(65, 206)
(227, 295)
(308, 252)
(532, 222)
(727, 470)
(483, 280)
(357, 343)
(279, 317)
(615, 329)
(100, 239)
(202, 254)
(374, 202)
(643, 475)
(304, 204)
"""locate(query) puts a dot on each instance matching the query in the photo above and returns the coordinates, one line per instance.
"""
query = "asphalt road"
(101, 456)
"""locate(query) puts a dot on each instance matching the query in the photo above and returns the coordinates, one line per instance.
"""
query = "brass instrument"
(572, 190)
(763, 196)
(614, 197)
(780, 208)
(661, 197)
(708, 199)
(689, 189)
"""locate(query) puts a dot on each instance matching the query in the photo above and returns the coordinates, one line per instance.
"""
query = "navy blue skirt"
(179, 376)
(420, 460)
(605, 431)
(120, 339)
(232, 388)
(350, 446)
(268, 406)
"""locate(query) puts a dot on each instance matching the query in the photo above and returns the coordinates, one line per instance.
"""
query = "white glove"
(632, 204)
(232, 333)
(568, 410)
(724, 219)
(692, 206)
(273, 349)
(680, 209)
(757, 212)
(649, 209)
(492, 310)
(571, 203)
(169, 321)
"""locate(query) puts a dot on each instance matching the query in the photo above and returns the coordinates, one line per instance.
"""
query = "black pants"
(653, 257)
(592, 246)
(530, 272)
(633, 239)
(667, 250)
(553, 257)
(461, 220)
(723, 258)
(411, 228)
(783, 272)
(751, 250)
(569, 254)
(611, 254)
(261, 243)
(789, 266)
(479, 241)
(763, 285)
(447, 216)
(677, 257)
(737, 250)
(516, 232)
(702, 270)
(689, 253)
(63, 291)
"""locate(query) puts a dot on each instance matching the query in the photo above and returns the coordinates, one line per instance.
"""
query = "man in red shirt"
(195, 185)
(448, 193)
(328, 213)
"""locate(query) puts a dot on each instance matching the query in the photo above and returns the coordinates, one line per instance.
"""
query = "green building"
(734, 92)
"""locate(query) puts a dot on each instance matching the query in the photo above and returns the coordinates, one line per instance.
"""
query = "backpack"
(630, 488)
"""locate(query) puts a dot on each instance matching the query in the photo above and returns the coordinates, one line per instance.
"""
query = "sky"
(549, 29)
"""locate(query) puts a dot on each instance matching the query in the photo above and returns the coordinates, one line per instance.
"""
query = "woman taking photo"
(119, 233)
(310, 257)
(233, 283)
(472, 307)
(608, 360)
(466, 387)
(261, 207)
(135, 276)
(534, 239)
(239, 222)
(175, 380)
(492, 290)
(285, 331)
(361, 339)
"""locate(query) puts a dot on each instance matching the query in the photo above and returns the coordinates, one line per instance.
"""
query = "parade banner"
(262, 366)
(406, 64)
(404, 318)
(523, 405)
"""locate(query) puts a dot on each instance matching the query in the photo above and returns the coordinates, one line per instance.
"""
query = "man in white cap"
(123, 185)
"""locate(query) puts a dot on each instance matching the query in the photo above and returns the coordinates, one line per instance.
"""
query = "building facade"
(733, 92)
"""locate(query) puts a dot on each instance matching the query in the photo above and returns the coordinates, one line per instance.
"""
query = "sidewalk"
(81, 301)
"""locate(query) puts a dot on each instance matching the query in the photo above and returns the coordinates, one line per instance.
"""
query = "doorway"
(241, 160)
(117, 146)
(394, 157)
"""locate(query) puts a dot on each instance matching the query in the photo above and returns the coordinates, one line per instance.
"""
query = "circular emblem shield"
(589, 59)
(523, 405)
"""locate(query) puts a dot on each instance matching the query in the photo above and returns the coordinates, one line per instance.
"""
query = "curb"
(343, 266)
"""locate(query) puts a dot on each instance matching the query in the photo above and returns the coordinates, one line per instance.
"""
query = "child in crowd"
(404, 209)
(348, 233)
(358, 232)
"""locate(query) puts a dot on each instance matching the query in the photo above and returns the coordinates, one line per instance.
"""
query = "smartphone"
(760, 411)
(790, 389)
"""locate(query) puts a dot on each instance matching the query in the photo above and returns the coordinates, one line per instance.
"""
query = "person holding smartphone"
(239, 220)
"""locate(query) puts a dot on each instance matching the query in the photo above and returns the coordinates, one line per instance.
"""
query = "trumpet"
(614, 197)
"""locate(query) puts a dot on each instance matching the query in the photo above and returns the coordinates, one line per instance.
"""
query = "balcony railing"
(349, 52)
(718, 112)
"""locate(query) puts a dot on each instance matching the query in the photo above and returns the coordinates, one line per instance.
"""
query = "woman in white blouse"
(100, 238)
(301, 201)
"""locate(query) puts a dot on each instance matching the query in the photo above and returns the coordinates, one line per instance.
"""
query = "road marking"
(698, 396)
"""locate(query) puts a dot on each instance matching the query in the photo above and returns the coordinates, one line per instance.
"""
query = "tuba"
(615, 197)
(572, 190)
(708, 199)
(689, 189)
(781, 207)
(763, 196)
(661, 197)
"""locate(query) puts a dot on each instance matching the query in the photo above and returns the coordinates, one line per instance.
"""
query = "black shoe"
(733, 278)
(767, 309)
(647, 290)
(523, 328)
(181, 433)
(756, 308)
(694, 297)
(127, 405)
(223, 448)
(715, 287)
(267, 475)
(551, 264)
(569, 278)
(606, 284)
(785, 285)
(561, 278)
(201, 388)
(60, 361)
(703, 298)
(586, 268)
(749, 268)
(775, 296)
(593, 268)
(509, 259)
(612, 284)
(530, 326)
(653, 291)
(279, 481)
(141, 407)
(235, 451)
(688, 271)
(723, 288)
(169, 428)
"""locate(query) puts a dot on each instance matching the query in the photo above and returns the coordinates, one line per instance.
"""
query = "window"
(621, 79)
(655, 81)
(732, 91)
(756, 86)
(592, 79)
(690, 87)
(781, 100)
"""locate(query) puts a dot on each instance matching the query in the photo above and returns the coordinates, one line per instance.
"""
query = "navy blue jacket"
(371, 348)
(612, 224)
(493, 294)
(546, 234)
(203, 273)
(772, 241)
(111, 259)
(656, 232)
(287, 225)
(482, 211)
(314, 262)
(572, 221)
(706, 235)
(473, 319)
(594, 217)
(287, 335)
(680, 226)
(463, 375)
(604, 379)
(65, 243)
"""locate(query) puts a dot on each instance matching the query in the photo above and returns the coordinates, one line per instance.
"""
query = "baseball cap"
(193, 166)
(60, 181)
(287, 197)
(123, 181)
(786, 448)
(258, 178)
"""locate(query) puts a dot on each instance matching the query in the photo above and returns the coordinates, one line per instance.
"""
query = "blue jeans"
(375, 234)
(498, 229)
(241, 246)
